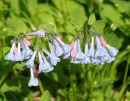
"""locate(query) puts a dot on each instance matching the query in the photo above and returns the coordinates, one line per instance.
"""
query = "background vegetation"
(68, 82)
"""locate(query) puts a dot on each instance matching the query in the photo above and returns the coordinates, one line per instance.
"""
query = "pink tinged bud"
(35, 70)
(57, 42)
(15, 49)
(73, 43)
(73, 52)
(27, 42)
(28, 37)
(11, 42)
(103, 42)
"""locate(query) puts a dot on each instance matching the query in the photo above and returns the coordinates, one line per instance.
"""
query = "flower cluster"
(96, 52)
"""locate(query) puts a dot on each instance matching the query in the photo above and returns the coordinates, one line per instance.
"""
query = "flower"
(66, 47)
(87, 59)
(10, 55)
(91, 51)
(33, 80)
(26, 51)
(111, 50)
(58, 50)
(77, 55)
(18, 55)
(27, 42)
(101, 54)
(40, 33)
(45, 66)
(30, 62)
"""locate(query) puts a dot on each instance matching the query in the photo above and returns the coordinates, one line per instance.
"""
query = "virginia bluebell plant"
(96, 52)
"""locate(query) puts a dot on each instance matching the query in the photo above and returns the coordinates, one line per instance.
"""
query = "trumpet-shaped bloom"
(40, 33)
(77, 55)
(26, 52)
(47, 67)
(58, 49)
(91, 51)
(112, 51)
(18, 55)
(66, 47)
(10, 55)
(30, 62)
(52, 58)
(33, 80)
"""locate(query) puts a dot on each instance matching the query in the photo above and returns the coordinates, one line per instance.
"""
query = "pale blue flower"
(10, 55)
(33, 80)
(26, 52)
(112, 51)
(18, 56)
(87, 59)
(41, 63)
(66, 47)
(40, 33)
(80, 57)
(47, 66)
(51, 57)
(91, 51)
(58, 49)
(30, 62)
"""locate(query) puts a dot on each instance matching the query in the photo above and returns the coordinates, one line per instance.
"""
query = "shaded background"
(68, 82)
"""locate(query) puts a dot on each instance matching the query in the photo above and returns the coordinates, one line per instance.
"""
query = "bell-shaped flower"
(10, 55)
(26, 51)
(42, 65)
(87, 59)
(91, 51)
(58, 49)
(30, 62)
(47, 66)
(33, 80)
(27, 42)
(77, 55)
(18, 54)
(51, 57)
(100, 52)
(80, 55)
(40, 33)
(112, 51)
(66, 47)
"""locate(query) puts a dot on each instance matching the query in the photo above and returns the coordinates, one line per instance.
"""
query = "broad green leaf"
(109, 13)
(15, 25)
(15, 6)
(99, 26)
(122, 5)
(77, 13)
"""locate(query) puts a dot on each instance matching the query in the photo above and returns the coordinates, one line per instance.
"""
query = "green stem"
(41, 86)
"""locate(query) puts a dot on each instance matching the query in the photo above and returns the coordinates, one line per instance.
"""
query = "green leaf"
(109, 13)
(99, 26)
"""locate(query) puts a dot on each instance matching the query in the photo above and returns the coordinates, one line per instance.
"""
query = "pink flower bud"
(57, 42)
(27, 42)
(35, 70)
(28, 37)
(15, 49)
(103, 42)
(73, 52)
(11, 42)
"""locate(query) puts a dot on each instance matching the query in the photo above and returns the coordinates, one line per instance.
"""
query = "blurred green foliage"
(68, 82)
